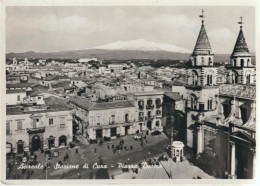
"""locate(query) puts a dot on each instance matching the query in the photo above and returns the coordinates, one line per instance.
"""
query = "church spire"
(241, 48)
(202, 45)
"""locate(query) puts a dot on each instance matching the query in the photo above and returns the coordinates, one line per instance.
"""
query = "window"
(18, 98)
(141, 114)
(202, 60)
(126, 118)
(210, 104)
(248, 78)
(194, 78)
(8, 131)
(19, 125)
(193, 102)
(158, 102)
(51, 121)
(149, 114)
(113, 119)
(242, 62)
(62, 120)
(98, 120)
(210, 62)
(248, 62)
(39, 97)
(149, 102)
(140, 103)
(209, 79)
(157, 124)
(158, 112)
(35, 122)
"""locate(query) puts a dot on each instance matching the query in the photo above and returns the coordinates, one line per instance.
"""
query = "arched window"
(157, 123)
(209, 79)
(193, 101)
(248, 79)
(210, 104)
(158, 112)
(126, 118)
(210, 61)
(234, 77)
(202, 60)
(242, 62)
(194, 77)
(248, 62)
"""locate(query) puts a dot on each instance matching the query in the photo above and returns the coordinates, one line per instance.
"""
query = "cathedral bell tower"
(201, 86)
(241, 70)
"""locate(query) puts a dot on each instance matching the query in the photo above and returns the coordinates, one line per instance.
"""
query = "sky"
(51, 29)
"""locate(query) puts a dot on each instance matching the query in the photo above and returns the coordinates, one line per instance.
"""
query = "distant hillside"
(113, 54)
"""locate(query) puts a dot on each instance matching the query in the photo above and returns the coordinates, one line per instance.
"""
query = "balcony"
(62, 126)
(141, 119)
(112, 123)
(158, 105)
(149, 106)
(141, 107)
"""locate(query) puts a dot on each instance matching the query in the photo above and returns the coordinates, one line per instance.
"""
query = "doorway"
(63, 141)
(36, 143)
(99, 133)
(113, 132)
(149, 124)
(20, 147)
(126, 129)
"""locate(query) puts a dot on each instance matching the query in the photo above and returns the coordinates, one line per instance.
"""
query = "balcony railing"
(141, 118)
(111, 123)
(149, 106)
(158, 105)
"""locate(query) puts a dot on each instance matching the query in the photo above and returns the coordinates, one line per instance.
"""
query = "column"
(233, 160)
(199, 140)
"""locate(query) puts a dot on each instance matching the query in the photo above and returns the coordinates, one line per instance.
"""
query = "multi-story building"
(149, 109)
(30, 127)
(96, 120)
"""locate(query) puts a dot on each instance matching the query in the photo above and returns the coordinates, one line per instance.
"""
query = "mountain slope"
(142, 45)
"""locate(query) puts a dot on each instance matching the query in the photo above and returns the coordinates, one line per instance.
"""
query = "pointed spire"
(241, 48)
(202, 44)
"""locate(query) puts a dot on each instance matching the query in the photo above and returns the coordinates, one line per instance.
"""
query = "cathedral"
(221, 117)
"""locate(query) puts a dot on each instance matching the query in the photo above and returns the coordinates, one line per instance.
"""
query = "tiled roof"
(20, 85)
(173, 95)
(240, 46)
(36, 93)
(86, 104)
(53, 104)
(13, 91)
(202, 41)
(239, 91)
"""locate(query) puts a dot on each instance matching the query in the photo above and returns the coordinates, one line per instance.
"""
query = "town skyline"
(53, 29)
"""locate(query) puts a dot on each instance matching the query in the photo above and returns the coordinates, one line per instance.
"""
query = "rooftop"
(14, 91)
(88, 105)
(173, 95)
(238, 91)
(52, 104)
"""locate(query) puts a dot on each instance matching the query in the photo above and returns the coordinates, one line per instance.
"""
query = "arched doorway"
(149, 124)
(51, 142)
(62, 140)
(36, 143)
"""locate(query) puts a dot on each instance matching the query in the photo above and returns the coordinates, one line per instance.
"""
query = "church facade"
(221, 118)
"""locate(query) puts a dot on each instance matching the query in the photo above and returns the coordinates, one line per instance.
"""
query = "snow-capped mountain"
(142, 45)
